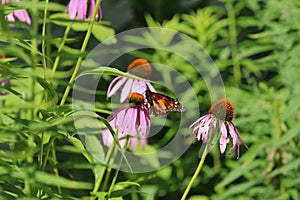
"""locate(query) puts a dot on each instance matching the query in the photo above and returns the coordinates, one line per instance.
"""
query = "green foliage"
(254, 44)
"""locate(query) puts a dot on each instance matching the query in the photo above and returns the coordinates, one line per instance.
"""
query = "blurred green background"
(255, 45)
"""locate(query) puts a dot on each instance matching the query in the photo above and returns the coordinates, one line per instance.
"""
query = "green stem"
(113, 182)
(82, 50)
(114, 179)
(44, 27)
(100, 177)
(34, 52)
(34, 58)
(188, 188)
(233, 42)
(55, 169)
(109, 169)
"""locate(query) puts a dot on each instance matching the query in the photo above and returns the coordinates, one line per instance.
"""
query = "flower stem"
(188, 188)
(82, 50)
(57, 59)
(99, 179)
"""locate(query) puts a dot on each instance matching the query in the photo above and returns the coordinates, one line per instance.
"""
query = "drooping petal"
(107, 137)
(92, 7)
(134, 142)
(22, 16)
(235, 140)
(99, 12)
(130, 121)
(123, 139)
(144, 141)
(144, 123)
(223, 138)
(239, 137)
(72, 8)
(82, 8)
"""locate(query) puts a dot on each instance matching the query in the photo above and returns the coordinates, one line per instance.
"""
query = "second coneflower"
(131, 123)
(219, 120)
(139, 67)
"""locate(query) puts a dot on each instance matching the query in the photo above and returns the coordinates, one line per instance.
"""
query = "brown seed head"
(140, 67)
(136, 98)
(222, 109)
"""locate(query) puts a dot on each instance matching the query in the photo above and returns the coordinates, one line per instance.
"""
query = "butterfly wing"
(161, 105)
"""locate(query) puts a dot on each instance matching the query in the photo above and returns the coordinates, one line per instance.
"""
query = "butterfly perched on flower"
(161, 105)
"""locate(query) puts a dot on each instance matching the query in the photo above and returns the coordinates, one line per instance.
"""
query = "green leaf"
(78, 144)
(110, 71)
(289, 135)
(236, 173)
(292, 165)
(51, 6)
(126, 184)
(237, 189)
(42, 126)
(121, 193)
(104, 33)
(61, 19)
(49, 89)
(54, 180)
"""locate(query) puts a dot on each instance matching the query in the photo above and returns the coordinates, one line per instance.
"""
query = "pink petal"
(144, 126)
(197, 121)
(223, 138)
(115, 85)
(151, 88)
(122, 140)
(10, 17)
(240, 138)
(204, 136)
(92, 7)
(134, 142)
(72, 8)
(235, 141)
(126, 89)
(143, 142)
(120, 118)
(22, 16)
(107, 137)
(130, 121)
(138, 86)
(82, 8)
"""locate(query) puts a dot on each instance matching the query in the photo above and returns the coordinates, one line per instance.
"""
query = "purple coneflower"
(130, 122)
(20, 14)
(80, 7)
(219, 119)
(139, 67)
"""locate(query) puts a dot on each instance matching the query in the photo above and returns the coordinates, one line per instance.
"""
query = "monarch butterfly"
(161, 105)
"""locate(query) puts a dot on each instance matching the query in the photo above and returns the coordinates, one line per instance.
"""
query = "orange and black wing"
(161, 105)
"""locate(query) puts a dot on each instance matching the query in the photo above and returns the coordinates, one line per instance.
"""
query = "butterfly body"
(161, 105)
